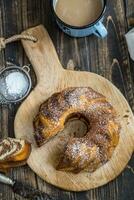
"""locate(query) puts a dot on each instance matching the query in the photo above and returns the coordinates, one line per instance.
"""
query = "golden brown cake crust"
(92, 150)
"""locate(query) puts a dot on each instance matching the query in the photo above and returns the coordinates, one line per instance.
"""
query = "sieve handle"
(26, 68)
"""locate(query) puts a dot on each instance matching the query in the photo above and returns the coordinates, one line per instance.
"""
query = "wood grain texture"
(89, 54)
(52, 78)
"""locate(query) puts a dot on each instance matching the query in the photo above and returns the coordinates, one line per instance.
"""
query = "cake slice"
(13, 153)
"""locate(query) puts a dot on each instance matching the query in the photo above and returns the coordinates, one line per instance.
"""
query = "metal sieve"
(10, 69)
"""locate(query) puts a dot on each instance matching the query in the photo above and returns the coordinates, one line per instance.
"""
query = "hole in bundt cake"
(77, 124)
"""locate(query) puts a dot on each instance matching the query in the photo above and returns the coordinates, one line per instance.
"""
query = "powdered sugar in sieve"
(14, 84)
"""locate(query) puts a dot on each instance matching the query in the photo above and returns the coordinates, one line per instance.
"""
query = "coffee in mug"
(78, 12)
(79, 18)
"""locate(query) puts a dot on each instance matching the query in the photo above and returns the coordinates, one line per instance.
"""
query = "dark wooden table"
(108, 57)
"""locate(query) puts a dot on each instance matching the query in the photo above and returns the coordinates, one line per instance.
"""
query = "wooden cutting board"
(51, 78)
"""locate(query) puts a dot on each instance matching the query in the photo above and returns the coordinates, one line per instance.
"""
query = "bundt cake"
(96, 147)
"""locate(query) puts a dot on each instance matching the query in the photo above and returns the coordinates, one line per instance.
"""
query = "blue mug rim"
(79, 27)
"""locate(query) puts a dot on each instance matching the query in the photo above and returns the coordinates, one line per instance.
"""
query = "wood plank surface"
(108, 57)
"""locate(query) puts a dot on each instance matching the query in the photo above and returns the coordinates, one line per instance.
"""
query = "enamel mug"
(97, 28)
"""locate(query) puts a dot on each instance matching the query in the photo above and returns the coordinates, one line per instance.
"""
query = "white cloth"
(130, 42)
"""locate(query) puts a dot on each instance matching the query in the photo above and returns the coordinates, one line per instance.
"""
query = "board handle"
(42, 54)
